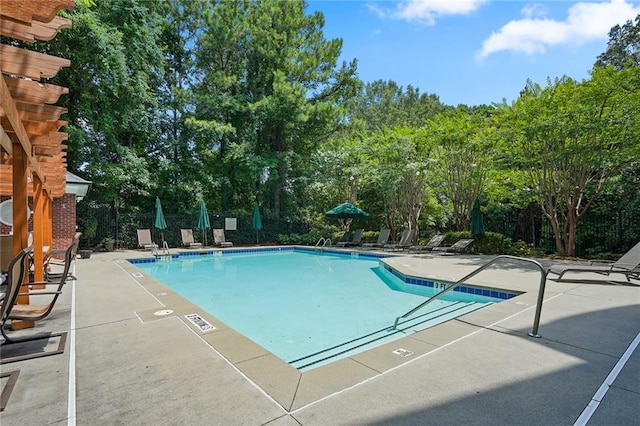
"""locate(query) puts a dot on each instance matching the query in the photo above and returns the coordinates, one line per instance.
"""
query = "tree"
(384, 104)
(571, 138)
(400, 160)
(173, 154)
(623, 48)
(115, 64)
(464, 150)
(271, 92)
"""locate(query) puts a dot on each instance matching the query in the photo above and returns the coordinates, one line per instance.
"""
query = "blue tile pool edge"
(441, 285)
(237, 251)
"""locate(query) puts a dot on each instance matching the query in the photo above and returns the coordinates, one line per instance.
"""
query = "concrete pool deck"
(125, 365)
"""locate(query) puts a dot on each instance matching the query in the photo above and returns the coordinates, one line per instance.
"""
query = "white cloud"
(426, 11)
(534, 10)
(585, 22)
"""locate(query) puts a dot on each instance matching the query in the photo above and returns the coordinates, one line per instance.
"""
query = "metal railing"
(161, 252)
(543, 281)
(322, 242)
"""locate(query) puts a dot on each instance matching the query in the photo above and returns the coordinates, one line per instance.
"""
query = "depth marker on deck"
(199, 322)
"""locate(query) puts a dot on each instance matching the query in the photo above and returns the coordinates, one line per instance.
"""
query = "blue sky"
(472, 51)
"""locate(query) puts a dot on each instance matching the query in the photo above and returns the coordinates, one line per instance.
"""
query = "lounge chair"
(38, 312)
(54, 260)
(628, 265)
(459, 246)
(405, 241)
(382, 240)
(17, 273)
(356, 240)
(434, 242)
(145, 241)
(187, 239)
(219, 239)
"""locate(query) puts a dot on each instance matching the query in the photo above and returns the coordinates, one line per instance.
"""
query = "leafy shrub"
(491, 243)
(370, 236)
(308, 239)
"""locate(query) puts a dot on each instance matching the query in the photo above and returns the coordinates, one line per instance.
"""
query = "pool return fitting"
(543, 281)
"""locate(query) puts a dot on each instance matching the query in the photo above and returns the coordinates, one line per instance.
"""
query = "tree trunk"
(571, 228)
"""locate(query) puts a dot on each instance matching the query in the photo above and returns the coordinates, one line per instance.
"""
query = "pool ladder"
(322, 242)
(164, 254)
(543, 281)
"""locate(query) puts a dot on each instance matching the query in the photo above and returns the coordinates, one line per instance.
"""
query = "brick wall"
(64, 220)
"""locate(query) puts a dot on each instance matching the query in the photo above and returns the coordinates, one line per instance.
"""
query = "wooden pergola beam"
(33, 112)
(5, 142)
(28, 63)
(40, 10)
(35, 31)
(9, 107)
(33, 92)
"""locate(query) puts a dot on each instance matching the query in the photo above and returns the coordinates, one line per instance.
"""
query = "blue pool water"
(307, 308)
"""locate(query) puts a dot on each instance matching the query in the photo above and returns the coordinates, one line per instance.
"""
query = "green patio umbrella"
(203, 220)
(257, 220)
(477, 220)
(346, 212)
(160, 223)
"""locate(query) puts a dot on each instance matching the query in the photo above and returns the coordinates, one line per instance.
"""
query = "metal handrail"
(543, 281)
(165, 250)
(324, 242)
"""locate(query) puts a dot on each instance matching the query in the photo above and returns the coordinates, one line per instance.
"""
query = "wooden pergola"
(32, 154)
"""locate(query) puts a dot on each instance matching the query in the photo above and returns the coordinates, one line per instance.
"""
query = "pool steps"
(415, 324)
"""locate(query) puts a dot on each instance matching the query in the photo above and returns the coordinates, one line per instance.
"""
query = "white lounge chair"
(219, 239)
(145, 241)
(187, 239)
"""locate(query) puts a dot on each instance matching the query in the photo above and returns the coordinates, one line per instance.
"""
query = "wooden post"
(20, 232)
(38, 231)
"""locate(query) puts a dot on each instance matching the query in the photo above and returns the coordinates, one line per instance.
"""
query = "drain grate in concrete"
(199, 322)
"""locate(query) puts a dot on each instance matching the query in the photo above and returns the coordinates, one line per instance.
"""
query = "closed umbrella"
(346, 212)
(257, 220)
(203, 220)
(477, 220)
(160, 223)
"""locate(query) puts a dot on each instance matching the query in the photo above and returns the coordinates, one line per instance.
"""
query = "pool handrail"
(543, 281)
(324, 242)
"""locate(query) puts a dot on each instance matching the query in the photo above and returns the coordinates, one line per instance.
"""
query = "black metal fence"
(122, 228)
(597, 234)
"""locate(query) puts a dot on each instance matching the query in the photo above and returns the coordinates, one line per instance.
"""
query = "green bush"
(308, 239)
(370, 236)
(490, 243)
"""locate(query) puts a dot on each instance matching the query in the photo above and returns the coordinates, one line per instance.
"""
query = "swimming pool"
(309, 308)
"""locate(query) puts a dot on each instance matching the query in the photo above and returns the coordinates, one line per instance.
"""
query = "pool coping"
(293, 389)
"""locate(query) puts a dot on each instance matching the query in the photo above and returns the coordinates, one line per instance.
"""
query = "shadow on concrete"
(560, 396)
